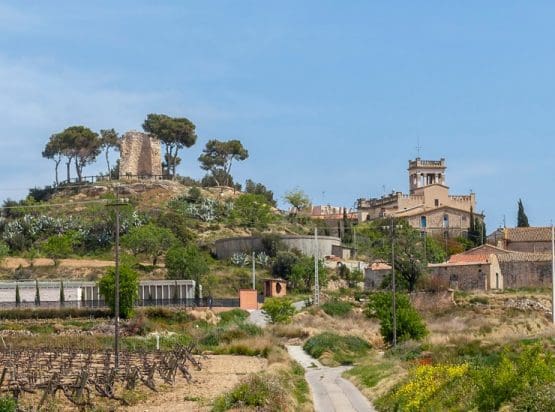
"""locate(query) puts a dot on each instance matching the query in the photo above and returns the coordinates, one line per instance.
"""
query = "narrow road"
(331, 393)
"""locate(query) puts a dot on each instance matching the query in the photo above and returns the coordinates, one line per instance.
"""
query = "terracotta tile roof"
(528, 234)
(380, 266)
(463, 258)
(524, 257)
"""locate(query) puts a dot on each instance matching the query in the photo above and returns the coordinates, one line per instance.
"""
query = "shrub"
(512, 376)
(344, 349)
(409, 322)
(58, 247)
(280, 310)
(54, 313)
(337, 308)
(234, 315)
(8, 404)
(424, 383)
(128, 288)
(482, 300)
(187, 263)
(262, 391)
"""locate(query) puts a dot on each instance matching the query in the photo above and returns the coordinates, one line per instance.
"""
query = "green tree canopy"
(187, 263)
(522, 219)
(149, 239)
(409, 322)
(298, 200)
(374, 241)
(54, 150)
(80, 144)
(218, 157)
(58, 247)
(175, 132)
(252, 211)
(260, 189)
(108, 140)
(128, 289)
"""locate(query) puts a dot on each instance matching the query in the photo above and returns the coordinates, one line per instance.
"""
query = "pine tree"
(62, 294)
(522, 219)
(37, 293)
(17, 296)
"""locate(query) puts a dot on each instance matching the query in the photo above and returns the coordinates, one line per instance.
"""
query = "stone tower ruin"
(140, 155)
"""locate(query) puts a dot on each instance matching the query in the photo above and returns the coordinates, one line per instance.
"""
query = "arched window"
(446, 220)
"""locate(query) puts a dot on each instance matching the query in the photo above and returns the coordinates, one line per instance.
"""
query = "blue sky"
(327, 96)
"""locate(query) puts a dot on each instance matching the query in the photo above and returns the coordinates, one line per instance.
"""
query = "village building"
(522, 239)
(489, 267)
(429, 206)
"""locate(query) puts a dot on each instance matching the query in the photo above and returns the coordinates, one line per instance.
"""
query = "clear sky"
(328, 96)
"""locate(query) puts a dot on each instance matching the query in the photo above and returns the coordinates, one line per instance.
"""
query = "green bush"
(264, 392)
(8, 404)
(227, 333)
(541, 399)
(344, 349)
(483, 300)
(280, 310)
(337, 308)
(234, 315)
(53, 313)
(409, 322)
(512, 376)
(128, 289)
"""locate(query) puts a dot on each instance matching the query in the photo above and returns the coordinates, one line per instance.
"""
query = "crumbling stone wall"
(140, 155)
(526, 274)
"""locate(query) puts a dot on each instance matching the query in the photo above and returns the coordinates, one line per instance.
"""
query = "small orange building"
(275, 288)
(248, 299)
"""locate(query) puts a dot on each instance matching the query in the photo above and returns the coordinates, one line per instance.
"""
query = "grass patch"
(61, 313)
(282, 390)
(482, 300)
(333, 349)
(289, 331)
(370, 374)
(337, 308)
(234, 315)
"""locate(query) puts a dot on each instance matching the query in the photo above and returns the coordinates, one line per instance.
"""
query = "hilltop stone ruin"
(140, 155)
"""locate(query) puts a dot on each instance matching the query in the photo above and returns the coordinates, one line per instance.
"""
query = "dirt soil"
(219, 374)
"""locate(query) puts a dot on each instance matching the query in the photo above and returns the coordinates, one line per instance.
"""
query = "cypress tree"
(37, 293)
(17, 296)
(522, 219)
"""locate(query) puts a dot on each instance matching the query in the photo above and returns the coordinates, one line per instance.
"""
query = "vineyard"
(79, 376)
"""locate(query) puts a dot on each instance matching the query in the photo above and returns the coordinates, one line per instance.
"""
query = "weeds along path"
(331, 393)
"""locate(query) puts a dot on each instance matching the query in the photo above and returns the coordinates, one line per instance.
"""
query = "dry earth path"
(330, 392)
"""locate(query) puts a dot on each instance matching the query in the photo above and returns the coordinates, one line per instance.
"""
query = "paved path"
(331, 393)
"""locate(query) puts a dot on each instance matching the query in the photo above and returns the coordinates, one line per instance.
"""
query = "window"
(423, 222)
(436, 202)
(446, 220)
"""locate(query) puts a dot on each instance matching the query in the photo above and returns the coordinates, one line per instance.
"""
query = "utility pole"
(117, 205)
(392, 228)
(552, 273)
(316, 281)
(393, 286)
(253, 270)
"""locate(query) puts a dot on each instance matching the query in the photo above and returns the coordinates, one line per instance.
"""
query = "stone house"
(375, 274)
(429, 206)
(523, 239)
(489, 267)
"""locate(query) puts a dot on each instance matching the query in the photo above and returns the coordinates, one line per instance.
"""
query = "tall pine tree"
(522, 219)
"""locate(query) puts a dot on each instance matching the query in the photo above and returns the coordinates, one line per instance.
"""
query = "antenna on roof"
(418, 147)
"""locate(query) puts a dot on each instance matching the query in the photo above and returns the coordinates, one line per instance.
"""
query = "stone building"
(140, 156)
(429, 206)
(523, 239)
(489, 267)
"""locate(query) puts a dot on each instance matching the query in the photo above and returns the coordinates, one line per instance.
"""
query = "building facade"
(428, 206)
